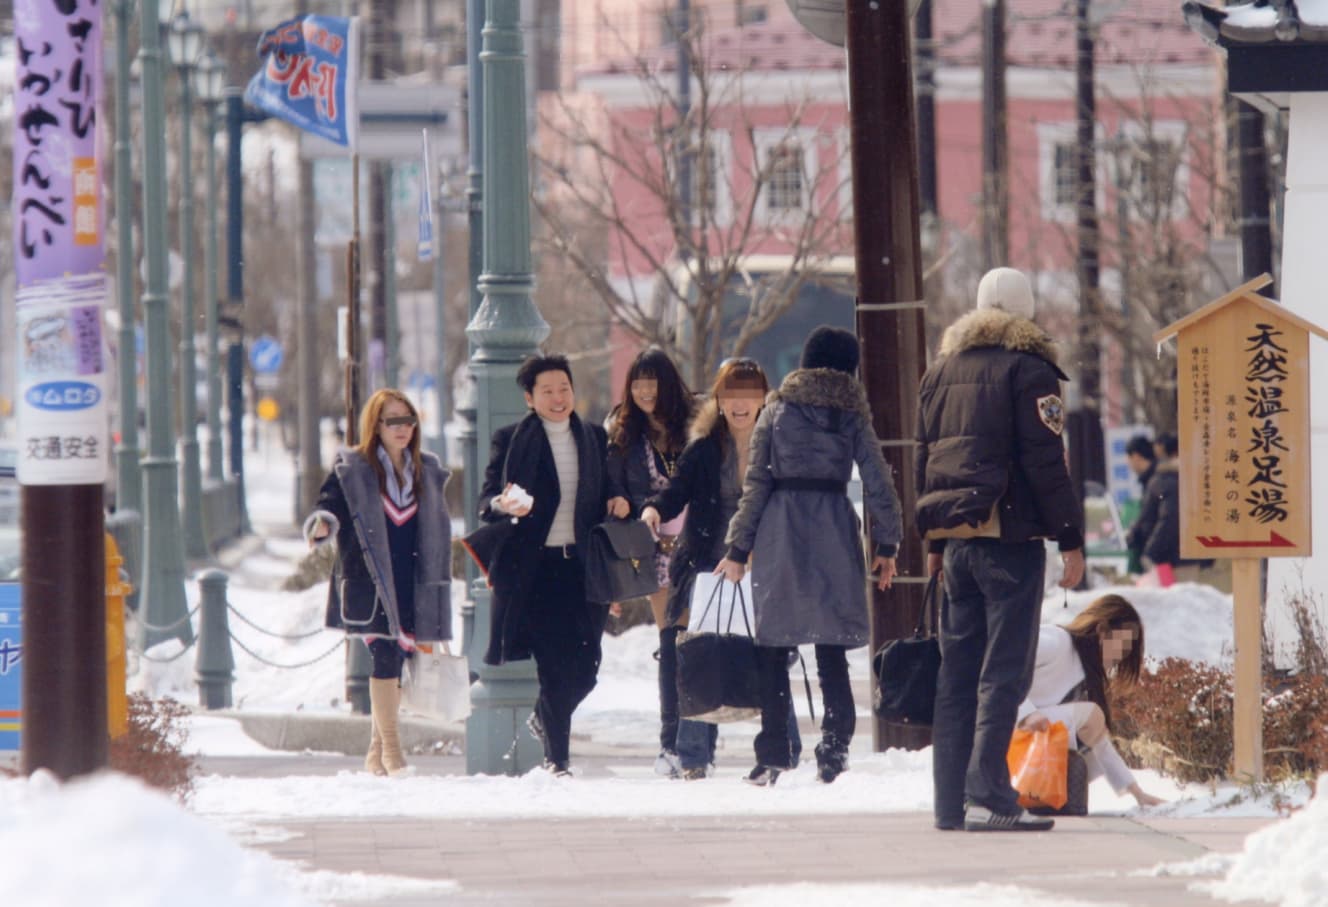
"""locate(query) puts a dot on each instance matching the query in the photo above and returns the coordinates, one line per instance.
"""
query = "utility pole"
(925, 53)
(995, 180)
(1087, 457)
(890, 307)
(308, 357)
(381, 40)
(682, 29)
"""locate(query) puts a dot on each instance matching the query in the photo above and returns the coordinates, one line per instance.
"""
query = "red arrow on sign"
(1274, 541)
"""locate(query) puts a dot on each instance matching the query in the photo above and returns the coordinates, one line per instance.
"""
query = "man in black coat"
(537, 574)
(992, 484)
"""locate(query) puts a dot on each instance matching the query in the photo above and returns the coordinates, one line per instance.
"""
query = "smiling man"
(547, 473)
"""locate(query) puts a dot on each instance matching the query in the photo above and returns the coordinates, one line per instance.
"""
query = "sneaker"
(557, 769)
(979, 818)
(698, 773)
(831, 762)
(668, 764)
(762, 776)
(536, 726)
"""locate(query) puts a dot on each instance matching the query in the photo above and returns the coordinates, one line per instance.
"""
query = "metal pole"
(235, 296)
(308, 357)
(191, 506)
(995, 197)
(505, 330)
(1256, 242)
(440, 322)
(128, 479)
(215, 467)
(889, 271)
(163, 555)
(926, 92)
(391, 314)
(683, 36)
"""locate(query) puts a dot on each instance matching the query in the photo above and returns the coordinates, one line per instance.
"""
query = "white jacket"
(1056, 671)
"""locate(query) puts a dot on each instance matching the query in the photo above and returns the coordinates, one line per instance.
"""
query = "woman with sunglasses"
(383, 503)
(647, 433)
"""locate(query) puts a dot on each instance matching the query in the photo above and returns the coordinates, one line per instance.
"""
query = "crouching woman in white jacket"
(1076, 666)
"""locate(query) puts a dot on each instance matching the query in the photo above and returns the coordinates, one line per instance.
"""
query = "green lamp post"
(128, 480)
(186, 45)
(210, 86)
(162, 599)
(506, 328)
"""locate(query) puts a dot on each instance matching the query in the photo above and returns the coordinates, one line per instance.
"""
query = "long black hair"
(673, 402)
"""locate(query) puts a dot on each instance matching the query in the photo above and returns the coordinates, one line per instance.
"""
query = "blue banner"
(11, 653)
(309, 76)
(425, 245)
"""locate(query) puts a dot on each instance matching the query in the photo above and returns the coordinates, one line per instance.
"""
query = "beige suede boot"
(385, 699)
(373, 760)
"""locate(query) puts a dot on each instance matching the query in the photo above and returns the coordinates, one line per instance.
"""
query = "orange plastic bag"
(1037, 761)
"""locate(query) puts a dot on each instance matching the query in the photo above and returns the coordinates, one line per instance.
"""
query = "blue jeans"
(696, 741)
(988, 644)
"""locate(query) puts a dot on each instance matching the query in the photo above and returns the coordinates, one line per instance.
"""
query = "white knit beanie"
(1008, 290)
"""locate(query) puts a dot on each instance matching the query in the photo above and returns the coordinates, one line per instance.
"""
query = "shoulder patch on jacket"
(1052, 413)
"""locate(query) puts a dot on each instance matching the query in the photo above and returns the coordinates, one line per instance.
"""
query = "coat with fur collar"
(990, 419)
(808, 568)
(362, 596)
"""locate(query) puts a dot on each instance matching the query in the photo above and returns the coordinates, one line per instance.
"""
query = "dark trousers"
(565, 632)
(773, 745)
(988, 645)
(388, 657)
(839, 718)
(668, 688)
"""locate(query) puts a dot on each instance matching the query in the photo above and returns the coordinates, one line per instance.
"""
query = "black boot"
(831, 761)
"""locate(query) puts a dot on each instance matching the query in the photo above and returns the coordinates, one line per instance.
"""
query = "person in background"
(706, 487)
(383, 503)
(1077, 666)
(647, 434)
(992, 485)
(548, 473)
(796, 522)
(1142, 461)
(1157, 531)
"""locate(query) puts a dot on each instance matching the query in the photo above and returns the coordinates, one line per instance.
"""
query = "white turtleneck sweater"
(563, 530)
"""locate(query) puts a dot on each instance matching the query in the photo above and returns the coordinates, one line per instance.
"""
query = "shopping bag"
(1038, 765)
(436, 684)
(716, 610)
(718, 677)
(620, 561)
(906, 669)
(1076, 789)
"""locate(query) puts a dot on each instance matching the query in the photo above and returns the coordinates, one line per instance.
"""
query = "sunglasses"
(399, 421)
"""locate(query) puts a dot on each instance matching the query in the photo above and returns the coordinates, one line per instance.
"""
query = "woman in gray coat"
(797, 523)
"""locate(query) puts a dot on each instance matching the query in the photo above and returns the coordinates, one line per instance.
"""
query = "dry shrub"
(152, 751)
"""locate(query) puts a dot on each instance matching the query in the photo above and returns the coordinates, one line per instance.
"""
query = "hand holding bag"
(906, 669)
(436, 684)
(1038, 765)
(707, 605)
(718, 677)
(620, 561)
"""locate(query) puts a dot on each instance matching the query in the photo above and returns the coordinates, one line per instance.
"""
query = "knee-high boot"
(385, 702)
(373, 760)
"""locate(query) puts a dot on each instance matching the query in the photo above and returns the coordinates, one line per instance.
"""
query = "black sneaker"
(831, 762)
(979, 818)
(536, 726)
(762, 776)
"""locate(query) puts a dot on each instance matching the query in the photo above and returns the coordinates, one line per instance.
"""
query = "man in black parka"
(992, 484)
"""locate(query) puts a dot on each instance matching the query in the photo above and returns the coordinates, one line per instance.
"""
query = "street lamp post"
(128, 481)
(162, 599)
(210, 85)
(186, 45)
(506, 328)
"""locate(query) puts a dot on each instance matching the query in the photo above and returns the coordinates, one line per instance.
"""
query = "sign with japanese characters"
(11, 656)
(1244, 429)
(309, 76)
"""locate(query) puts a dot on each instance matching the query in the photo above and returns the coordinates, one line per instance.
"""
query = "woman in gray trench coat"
(796, 522)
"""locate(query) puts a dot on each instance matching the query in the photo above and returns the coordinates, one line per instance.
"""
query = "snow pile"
(1313, 12)
(981, 895)
(1188, 620)
(1251, 16)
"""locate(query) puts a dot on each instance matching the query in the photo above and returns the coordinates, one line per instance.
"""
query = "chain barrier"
(273, 664)
(161, 661)
(179, 623)
(289, 636)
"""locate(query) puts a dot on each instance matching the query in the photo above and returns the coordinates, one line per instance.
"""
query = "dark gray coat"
(362, 596)
(809, 577)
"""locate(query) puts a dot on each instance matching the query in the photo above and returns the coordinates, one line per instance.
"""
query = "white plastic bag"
(436, 684)
(712, 606)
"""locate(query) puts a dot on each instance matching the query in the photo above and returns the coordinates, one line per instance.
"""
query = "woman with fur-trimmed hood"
(799, 527)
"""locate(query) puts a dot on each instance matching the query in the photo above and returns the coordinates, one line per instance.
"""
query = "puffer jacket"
(990, 460)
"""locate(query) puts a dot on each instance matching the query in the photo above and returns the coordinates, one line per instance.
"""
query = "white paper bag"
(713, 604)
(436, 684)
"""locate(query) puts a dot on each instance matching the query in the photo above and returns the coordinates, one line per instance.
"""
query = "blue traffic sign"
(265, 354)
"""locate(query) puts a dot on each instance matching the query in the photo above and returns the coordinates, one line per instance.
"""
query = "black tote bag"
(718, 677)
(620, 561)
(906, 669)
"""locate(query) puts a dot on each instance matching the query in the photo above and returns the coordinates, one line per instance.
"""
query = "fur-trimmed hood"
(823, 387)
(993, 327)
(703, 423)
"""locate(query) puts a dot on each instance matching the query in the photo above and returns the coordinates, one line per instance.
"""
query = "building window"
(710, 178)
(788, 168)
(1153, 166)
(1066, 175)
(784, 188)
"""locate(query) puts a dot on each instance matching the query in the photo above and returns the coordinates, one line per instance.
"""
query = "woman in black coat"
(383, 504)
(647, 433)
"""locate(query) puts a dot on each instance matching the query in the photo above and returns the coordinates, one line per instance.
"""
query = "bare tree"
(662, 265)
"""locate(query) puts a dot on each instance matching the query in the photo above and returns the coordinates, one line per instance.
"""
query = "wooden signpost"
(1243, 424)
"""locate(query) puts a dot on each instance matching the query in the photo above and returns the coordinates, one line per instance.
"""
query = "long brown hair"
(1110, 612)
(673, 402)
(734, 373)
(369, 443)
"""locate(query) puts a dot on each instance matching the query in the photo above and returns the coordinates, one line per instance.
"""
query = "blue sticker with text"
(63, 396)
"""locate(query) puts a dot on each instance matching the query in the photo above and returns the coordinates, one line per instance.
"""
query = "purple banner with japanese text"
(57, 179)
(309, 76)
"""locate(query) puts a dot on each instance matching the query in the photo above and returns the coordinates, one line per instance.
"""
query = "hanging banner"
(63, 418)
(425, 245)
(57, 180)
(309, 74)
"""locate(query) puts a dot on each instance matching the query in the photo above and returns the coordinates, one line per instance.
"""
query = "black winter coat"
(1156, 534)
(521, 453)
(989, 436)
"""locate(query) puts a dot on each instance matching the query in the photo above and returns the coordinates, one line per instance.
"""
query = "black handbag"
(718, 676)
(620, 561)
(906, 669)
